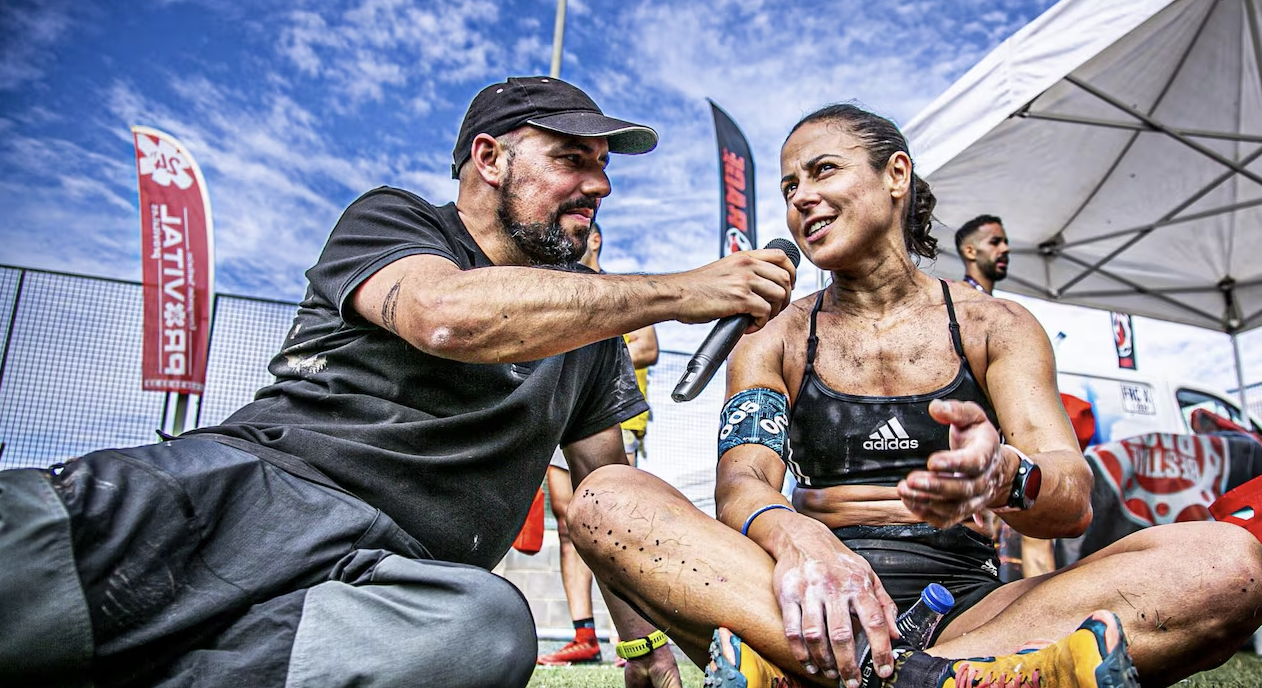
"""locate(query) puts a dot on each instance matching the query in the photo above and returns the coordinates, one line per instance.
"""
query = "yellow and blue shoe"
(1094, 656)
(734, 664)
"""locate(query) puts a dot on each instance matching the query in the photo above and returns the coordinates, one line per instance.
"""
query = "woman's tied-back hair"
(882, 139)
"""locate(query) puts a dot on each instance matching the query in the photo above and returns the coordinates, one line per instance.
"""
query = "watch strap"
(632, 649)
(1019, 494)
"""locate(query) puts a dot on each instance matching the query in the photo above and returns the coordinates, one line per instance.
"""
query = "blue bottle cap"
(938, 598)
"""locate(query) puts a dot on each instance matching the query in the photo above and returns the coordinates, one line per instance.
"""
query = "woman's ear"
(898, 174)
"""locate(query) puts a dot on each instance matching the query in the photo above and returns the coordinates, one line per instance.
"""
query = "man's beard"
(543, 243)
(994, 272)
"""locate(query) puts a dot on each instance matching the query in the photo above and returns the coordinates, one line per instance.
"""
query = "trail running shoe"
(574, 652)
(734, 664)
(1094, 656)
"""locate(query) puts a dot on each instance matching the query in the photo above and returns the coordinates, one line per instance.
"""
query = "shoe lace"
(980, 677)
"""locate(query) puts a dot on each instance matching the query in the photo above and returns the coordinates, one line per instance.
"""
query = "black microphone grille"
(790, 249)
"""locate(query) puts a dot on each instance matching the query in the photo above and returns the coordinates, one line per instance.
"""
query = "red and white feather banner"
(177, 240)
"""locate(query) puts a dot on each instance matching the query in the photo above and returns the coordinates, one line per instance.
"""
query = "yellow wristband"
(631, 649)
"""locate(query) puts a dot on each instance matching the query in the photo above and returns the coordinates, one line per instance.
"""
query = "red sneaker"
(574, 652)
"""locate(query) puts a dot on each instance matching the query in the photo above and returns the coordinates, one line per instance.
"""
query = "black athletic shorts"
(909, 557)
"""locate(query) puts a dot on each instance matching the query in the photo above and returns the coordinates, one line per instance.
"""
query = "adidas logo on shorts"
(890, 436)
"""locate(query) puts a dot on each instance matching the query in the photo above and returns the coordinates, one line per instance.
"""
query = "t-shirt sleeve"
(379, 228)
(611, 395)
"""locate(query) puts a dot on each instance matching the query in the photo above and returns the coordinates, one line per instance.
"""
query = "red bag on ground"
(530, 539)
(1242, 507)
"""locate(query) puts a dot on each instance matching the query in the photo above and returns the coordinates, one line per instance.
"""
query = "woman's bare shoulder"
(996, 313)
(774, 352)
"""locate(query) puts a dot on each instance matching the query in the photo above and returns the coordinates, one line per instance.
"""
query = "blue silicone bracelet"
(756, 514)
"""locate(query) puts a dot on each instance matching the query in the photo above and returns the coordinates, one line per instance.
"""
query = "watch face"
(1032, 484)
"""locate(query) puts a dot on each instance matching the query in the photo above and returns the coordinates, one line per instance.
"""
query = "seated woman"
(885, 395)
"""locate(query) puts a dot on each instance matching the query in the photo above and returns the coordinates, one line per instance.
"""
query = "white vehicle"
(1127, 403)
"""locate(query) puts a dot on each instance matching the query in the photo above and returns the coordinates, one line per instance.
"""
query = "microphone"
(719, 343)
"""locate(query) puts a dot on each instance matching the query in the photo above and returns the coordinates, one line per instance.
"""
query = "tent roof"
(1119, 140)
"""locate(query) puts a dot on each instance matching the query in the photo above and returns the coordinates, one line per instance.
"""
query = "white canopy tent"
(1120, 141)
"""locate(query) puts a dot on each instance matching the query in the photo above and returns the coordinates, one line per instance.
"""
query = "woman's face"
(835, 202)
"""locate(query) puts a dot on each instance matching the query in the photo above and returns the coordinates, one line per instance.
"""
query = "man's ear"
(968, 252)
(490, 159)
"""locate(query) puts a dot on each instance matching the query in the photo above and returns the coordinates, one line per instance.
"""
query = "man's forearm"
(513, 314)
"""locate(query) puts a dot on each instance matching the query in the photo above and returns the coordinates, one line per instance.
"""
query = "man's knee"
(416, 623)
(506, 645)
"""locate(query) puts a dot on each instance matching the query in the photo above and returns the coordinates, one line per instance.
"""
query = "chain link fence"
(70, 377)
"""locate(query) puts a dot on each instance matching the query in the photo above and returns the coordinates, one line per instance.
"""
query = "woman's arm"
(977, 472)
(819, 583)
(1022, 381)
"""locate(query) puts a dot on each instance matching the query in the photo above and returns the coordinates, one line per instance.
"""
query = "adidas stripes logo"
(890, 436)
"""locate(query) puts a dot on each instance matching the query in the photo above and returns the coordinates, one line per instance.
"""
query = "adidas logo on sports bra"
(890, 436)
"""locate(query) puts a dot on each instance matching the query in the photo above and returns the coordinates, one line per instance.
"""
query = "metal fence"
(1253, 393)
(70, 377)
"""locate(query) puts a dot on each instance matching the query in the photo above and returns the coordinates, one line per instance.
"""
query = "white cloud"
(379, 46)
(29, 32)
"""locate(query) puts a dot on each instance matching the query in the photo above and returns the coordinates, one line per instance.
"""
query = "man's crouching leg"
(45, 631)
(393, 621)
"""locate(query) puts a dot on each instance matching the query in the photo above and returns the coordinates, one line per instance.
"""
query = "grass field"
(1243, 671)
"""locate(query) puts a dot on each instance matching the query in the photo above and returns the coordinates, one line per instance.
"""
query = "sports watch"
(631, 649)
(1025, 485)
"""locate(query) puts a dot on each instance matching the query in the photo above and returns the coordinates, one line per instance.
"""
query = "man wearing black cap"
(339, 530)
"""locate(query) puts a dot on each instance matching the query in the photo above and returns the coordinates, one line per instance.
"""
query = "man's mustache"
(583, 202)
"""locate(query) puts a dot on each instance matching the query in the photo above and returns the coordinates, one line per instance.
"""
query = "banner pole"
(181, 410)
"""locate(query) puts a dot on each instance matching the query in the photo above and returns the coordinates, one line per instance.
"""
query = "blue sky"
(293, 109)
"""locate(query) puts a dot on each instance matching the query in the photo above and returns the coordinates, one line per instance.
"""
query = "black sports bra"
(849, 439)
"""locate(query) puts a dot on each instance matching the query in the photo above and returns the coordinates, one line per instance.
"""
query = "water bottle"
(916, 625)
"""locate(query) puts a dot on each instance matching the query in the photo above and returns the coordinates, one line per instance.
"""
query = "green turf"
(1242, 671)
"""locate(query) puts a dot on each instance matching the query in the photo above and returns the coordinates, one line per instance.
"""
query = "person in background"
(576, 577)
(983, 246)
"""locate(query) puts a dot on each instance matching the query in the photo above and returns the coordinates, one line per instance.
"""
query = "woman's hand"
(820, 585)
(974, 474)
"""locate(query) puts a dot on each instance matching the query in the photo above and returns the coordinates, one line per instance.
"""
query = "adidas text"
(890, 444)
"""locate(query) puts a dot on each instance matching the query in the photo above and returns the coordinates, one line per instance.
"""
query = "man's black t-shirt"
(452, 451)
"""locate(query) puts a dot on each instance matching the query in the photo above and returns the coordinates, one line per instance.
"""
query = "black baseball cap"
(546, 103)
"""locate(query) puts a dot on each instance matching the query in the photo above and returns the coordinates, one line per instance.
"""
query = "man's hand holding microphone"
(767, 289)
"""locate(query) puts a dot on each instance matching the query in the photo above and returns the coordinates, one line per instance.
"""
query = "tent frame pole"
(1240, 388)
(1158, 125)
(1137, 126)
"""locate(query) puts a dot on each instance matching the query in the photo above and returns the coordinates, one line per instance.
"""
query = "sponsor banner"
(1164, 478)
(1124, 340)
(177, 252)
(738, 231)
